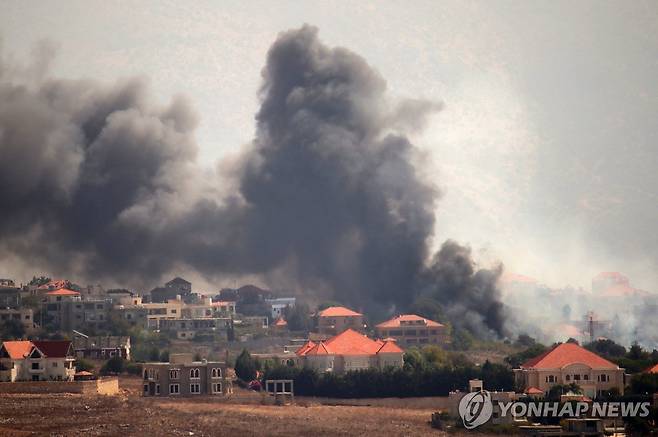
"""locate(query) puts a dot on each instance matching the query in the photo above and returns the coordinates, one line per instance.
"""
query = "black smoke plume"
(100, 182)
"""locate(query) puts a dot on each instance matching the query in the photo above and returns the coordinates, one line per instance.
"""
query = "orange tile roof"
(305, 348)
(338, 312)
(280, 322)
(17, 349)
(389, 347)
(534, 391)
(565, 354)
(653, 369)
(63, 292)
(395, 321)
(350, 342)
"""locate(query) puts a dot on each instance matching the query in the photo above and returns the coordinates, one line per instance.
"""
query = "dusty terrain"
(130, 414)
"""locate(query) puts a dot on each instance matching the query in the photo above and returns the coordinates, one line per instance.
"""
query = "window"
(216, 387)
(55, 364)
(576, 377)
(586, 377)
(194, 374)
(216, 372)
(174, 389)
(568, 377)
(157, 389)
(550, 378)
(35, 366)
(146, 388)
(173, 374)
(195, 389)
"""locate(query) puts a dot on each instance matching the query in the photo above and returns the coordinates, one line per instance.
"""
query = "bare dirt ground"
(130, 414)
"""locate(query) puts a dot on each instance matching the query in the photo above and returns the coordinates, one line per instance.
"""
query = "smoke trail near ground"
(101, 182)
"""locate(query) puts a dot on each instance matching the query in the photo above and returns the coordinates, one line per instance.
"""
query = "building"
(653, 369)
(186, 329)
(278, 306)
(66, 310)
(135, 315)
(36, 361)
(334, 320)
(24, 315)
(184, 377)
(101, 348)
(176, 287)
(569, 363)
(157, 311)
(413, 330)
(10, 297)
(7, 282)
(350, 350)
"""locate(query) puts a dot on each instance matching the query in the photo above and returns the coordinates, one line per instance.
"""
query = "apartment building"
(334, 320)
(23, 315)
(66, 310)
(183, 376)
(36, 361)
(569, 363)
(413, 330)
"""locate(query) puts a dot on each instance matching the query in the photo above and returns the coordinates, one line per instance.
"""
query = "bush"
(83, 365)
(134, 369)
(115, 365)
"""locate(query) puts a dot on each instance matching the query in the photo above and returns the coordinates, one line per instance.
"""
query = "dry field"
(130, 414)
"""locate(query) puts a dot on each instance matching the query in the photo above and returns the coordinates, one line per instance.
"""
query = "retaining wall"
(104, 386)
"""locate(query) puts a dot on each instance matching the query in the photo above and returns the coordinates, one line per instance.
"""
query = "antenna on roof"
(79, 334)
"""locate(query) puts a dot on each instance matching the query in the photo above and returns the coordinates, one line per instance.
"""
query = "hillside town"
(182, 343)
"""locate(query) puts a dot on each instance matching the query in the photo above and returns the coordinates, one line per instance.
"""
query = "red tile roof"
(350, 342)
(338, 312)
(63, 292)
(565, 354)
(54, 348)
(17, 349)
(653, 369)
(396, 321)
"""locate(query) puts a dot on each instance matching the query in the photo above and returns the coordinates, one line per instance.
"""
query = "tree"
(515, 360)
(298, 317)
(164, 356)
(606, 347)
(245, 367)
(572, 340)
(525, 340)
(462, 340)
(114, 365)
(41, 280)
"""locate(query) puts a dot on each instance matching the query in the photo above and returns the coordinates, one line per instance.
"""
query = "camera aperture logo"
(475, 409)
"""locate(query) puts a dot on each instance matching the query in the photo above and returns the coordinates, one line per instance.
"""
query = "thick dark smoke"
(100, 182)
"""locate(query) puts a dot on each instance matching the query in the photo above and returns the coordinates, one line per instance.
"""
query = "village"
(250, 346)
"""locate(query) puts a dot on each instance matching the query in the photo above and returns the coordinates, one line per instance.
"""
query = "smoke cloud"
(99, 181)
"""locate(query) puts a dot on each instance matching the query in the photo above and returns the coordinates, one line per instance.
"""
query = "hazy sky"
(546, 149)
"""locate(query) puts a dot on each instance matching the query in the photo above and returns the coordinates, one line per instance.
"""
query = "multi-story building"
(413, 330)
(157, 311)
(569, 363)
(101, 348)
(186, 329)
(135, 315)
(172, 289)
(36, 361)
(349, 350)
(23, 315)
(334, 320)
(278, 306)
(183, 376)
(66, 310)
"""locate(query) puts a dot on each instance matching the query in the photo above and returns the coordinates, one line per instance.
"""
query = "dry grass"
(130, 414)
